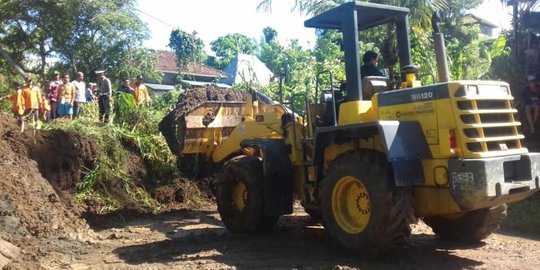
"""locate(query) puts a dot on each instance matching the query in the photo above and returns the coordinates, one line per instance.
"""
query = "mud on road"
(196, 239)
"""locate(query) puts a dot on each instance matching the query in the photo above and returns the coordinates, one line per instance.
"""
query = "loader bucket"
(203, 117)
(210, 124)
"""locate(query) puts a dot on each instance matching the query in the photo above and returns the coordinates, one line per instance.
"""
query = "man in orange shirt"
(66, 97)
(18, 104)
(141, 92)
(30, 94)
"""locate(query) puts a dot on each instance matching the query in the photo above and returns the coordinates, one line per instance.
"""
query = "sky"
(214, 18)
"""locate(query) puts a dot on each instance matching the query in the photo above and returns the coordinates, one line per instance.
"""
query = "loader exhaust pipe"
(440, 49)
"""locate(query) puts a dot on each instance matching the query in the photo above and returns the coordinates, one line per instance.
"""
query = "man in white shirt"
(80, 94)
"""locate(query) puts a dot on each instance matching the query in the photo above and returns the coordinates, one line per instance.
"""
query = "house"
(194, 75)
(247, 68)
(487, 28)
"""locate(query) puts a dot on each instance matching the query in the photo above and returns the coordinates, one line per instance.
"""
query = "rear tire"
(472, 227)
(362, 209)
(241, 194)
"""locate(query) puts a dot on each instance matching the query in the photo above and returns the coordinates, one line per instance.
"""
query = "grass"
(134, 128)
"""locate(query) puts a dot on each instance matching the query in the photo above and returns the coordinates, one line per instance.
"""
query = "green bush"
(525, 215)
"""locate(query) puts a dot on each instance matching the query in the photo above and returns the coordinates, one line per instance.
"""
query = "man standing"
(53, 93)
(104, 96)
(66, 98)
(80, 94)
(30, 94)
(141, 92)
(125, 88)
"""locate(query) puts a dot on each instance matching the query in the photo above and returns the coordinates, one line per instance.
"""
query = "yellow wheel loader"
(370, 160)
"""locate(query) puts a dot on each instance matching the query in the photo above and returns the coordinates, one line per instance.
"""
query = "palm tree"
(421, 10)
(308, 7)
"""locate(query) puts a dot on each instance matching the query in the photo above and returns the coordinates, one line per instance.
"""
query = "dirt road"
(197, 240)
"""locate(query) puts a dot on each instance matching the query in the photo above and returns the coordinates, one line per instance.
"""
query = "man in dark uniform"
(104, 96)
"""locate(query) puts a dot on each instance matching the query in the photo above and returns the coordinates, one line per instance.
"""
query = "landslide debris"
(36, 195)
(40, 174)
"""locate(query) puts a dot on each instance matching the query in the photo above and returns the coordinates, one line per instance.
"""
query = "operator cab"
(350, 18)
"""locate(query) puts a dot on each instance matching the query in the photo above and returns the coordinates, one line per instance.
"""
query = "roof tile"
(166, 62)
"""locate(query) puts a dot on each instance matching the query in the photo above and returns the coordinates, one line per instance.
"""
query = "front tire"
(240, 196)
(362, 209)
(472, 227)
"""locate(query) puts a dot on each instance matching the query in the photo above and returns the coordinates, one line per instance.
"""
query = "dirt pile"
(173, 126)
(38, 175)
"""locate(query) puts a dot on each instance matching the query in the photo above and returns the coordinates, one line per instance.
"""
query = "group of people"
(28, 101)
(64, 98)
(104, 92)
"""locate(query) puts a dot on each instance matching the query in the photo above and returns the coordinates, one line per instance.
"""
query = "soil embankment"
(40, 173)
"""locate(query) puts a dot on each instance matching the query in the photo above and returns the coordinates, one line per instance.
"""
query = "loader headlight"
(441, 176)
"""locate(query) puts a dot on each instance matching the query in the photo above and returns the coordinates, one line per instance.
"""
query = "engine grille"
(489, 124)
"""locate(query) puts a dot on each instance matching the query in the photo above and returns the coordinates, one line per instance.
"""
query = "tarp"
(159, 87)
(247, 68)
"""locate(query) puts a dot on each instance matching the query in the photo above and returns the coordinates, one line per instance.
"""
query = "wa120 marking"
(422, 96)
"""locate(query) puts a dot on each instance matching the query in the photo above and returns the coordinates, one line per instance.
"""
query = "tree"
(383, 38)
(329, 54)
(270, 34)
(228, 46)
(294, 65)
(83, 35)
(187, 47)
(137, 61)
(308, 7)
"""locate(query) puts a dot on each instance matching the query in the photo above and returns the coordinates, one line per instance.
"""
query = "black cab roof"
(369, 15)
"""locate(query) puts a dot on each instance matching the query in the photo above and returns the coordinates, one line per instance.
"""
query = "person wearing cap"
(53, 92)
(531, 100)
(104, 96)
(80, 93)
(369, 68)
(141, 92)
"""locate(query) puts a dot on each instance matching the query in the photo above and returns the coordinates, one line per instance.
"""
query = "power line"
(155, 18)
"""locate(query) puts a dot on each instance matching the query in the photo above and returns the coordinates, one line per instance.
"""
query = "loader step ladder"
(308, 162)
(305, 142)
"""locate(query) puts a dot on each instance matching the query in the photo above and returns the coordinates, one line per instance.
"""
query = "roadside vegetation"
(133, 132)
